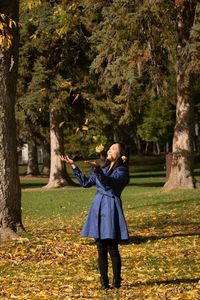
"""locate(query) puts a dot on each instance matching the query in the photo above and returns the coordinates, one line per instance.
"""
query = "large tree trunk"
(32, 167)
(181, 175)
(58, 175)
(10, 192)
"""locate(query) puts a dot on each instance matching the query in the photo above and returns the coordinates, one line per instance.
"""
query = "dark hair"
(123, 151)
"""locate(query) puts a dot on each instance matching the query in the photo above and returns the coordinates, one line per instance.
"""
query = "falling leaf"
(77, 130)
(61, 124)
(65, 84)
(85, 128)
(94, 138)
(99, 148)
(77, 96)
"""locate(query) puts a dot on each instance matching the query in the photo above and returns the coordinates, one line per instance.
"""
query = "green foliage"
(157, 125)
(105, 61)
(50, 69)
(29, 5)
(133, 57)
(85, 140)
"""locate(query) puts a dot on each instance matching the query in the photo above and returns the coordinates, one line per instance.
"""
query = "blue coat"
(105, 219)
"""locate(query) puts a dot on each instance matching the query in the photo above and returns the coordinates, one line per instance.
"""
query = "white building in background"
(23, 155)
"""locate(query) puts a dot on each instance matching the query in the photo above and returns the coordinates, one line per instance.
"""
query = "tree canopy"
(110, 64)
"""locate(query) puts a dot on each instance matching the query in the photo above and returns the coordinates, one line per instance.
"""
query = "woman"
(105, 221)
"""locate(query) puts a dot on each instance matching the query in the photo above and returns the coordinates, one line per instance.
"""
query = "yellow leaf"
(99, 148)
(65, 84)
(34, 36)
(1, 40)
(77, 130)
(85, 128)
(10, 23)
(61, 124)
(14, 23)
(3, 16)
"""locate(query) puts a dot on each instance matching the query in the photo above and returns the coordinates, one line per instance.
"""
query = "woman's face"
(113, 153)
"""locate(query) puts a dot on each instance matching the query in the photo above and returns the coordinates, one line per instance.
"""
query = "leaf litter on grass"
(54, 264)
(161, 261)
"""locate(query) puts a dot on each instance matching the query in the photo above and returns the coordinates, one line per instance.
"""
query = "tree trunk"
(10, 192)
(196, 138)
(32, 168)
(181, 175)
(138, 144)
(154, 149)
(146, 148)
(58, 175)
(158, 148)
(166, 150)
(46, 159)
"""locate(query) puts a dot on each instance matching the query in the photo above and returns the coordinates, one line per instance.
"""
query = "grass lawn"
(161, 261)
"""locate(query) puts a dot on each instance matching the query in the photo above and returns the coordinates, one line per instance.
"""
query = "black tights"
(111, 246)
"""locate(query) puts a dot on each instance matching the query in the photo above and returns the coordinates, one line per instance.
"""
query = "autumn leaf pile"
(161, 261)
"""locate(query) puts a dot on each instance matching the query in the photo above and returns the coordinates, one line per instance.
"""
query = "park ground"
(161, 261)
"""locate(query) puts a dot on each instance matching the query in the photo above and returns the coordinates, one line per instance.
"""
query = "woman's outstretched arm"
(82, 178)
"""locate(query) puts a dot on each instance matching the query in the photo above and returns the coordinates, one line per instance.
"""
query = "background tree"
(135, 46)
(52, 56)
(157, 123)
(120, 56)
(181, 174)
(32, 104)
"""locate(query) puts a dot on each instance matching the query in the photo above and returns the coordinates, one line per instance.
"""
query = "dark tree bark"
(138, 144)
(32, 167)
(10, 192)
(181, 175)
(46, 159)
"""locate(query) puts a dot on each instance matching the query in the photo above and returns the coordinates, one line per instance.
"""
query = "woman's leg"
(103, 262)
(116, 262)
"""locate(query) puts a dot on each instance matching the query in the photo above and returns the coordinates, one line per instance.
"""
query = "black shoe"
(117, 283)
(105, 284)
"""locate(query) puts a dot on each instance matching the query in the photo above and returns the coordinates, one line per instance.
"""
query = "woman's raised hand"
(66, 159)
(92, 164)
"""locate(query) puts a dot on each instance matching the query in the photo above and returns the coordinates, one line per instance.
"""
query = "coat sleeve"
(83, 179)
(119, 177)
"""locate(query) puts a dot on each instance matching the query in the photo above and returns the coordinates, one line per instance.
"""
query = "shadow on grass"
(146, 239)
(167, 281)
(147, 184)
(156, 183)
(28, 185)
(148, 175)
(165, 203)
